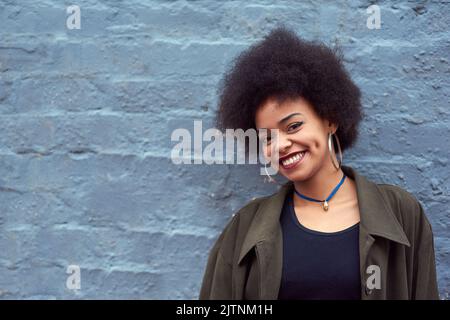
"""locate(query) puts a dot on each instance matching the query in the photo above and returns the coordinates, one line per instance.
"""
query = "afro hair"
(284, 66)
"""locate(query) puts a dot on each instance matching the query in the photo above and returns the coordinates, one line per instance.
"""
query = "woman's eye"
(295, 126)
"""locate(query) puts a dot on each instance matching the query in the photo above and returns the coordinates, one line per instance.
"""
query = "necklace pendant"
(325, 205)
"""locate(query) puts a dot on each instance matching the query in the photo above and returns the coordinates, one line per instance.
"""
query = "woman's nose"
(284, 143)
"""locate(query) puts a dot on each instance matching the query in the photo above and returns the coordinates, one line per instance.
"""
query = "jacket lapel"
(265, 234)
(377, 219)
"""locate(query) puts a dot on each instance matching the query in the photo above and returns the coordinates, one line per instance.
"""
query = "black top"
(318, 265)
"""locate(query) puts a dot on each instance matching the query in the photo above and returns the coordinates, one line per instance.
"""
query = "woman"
(329, 232)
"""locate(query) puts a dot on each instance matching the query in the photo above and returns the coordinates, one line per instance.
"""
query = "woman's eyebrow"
(286, 118)
(289, 116)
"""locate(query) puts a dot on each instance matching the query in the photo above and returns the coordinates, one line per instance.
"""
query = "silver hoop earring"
(330, 147)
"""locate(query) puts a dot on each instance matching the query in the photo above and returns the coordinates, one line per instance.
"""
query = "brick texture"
(86, 118)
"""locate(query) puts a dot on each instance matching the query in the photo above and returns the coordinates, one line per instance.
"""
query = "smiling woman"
(329, 233)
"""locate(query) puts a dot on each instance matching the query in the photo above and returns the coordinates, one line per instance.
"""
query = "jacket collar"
(376, 215)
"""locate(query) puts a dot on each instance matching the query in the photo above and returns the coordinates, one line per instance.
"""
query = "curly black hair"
(284, 66)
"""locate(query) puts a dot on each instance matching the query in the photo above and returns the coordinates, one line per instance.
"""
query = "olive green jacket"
(396, 247)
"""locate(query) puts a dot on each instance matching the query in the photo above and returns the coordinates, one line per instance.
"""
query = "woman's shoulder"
(404, 204)
(235, 230)
(397, 192)
(244, 215)
(250, 207)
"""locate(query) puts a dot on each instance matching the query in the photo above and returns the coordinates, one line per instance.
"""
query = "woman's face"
(299, 129)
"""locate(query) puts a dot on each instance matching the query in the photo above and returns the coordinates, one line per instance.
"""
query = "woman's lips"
(296, 161)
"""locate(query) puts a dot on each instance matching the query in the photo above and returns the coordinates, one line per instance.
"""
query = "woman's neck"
(321, 184)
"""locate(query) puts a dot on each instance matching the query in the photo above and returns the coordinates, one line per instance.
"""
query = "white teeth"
(293, 159)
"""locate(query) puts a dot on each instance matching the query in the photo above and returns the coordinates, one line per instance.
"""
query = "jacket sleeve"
(217, 279)
(425, 285)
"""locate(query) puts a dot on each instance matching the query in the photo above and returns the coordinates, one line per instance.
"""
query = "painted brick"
(86, 115)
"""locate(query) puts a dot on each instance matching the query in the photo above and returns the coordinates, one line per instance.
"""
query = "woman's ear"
(331, 127)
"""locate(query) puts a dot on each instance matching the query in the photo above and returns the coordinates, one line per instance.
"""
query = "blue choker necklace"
(325, 202)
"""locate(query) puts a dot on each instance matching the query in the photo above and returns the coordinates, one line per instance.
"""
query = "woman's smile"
(293, 160)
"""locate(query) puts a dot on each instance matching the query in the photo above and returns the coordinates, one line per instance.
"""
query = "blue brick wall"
(86, 116)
